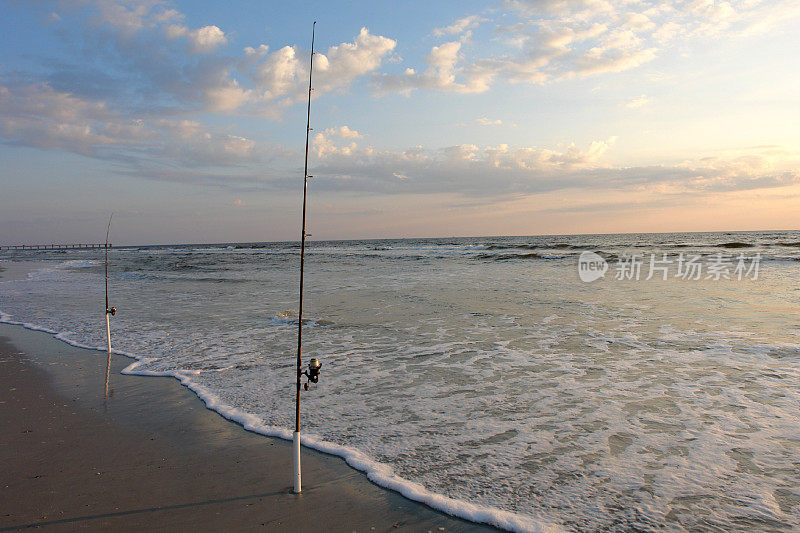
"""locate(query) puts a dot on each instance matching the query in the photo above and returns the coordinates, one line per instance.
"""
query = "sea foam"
(378, 473)
(507, 385)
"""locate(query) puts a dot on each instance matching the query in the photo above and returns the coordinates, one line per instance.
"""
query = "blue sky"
(430, 118)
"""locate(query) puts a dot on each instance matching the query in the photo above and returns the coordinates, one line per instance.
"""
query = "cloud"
(636, 102)
(603, 61)
(746, 169)
(206, 39)
(150, 55)
(502, 170)
(201, 41)
(469, 171)
(161, 74)
(158, 74)
(150, 58)
(175, 149)
(442, 73)
(227, 97)
(125, 18)
(459, 26)
(40, 117)
(161, 59)
(282, 76)
(344, 132)
(548, 41)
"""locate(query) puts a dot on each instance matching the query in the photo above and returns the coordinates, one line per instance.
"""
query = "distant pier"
(53, 246)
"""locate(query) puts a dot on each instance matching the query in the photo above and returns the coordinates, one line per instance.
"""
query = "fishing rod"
(109, 310)
(313, 365)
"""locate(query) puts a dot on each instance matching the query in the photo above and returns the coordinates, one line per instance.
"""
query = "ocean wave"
(79, 263)
(558, 246)
(289, 318)
(510, 257)
(393, 313)
(253, 246)
(379, 473)
(208, 279)
(511, 247)
(736, 245)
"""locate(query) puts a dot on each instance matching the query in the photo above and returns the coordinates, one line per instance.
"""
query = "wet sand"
(151, 456)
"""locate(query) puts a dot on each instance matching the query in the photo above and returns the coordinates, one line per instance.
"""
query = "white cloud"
(227, 97)
(443, 73)
(667, 32)
(442, 60)
(37, 115)
(260, 81)
(636, 102)
(459, 26)
(127, 19)
(539, 42)
(278, 74)
(41, 117)
(599, 61)
(552, 40)
(283, 74)
(493, 171)
(236, 146)
(469, 169)
(176, 31)
(261, 51)
(201, 41)
(181, 149)
(344, 132)
(637, 22)
(345, 62)
(168, 15)
(206, 39)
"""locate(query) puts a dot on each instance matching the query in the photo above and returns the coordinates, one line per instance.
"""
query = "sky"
(186, 119)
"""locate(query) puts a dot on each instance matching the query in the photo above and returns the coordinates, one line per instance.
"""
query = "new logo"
(591, 267)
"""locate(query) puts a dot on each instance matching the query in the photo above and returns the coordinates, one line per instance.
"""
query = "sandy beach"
(151, 456)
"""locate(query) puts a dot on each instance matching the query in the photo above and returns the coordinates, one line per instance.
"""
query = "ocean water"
(481, 375)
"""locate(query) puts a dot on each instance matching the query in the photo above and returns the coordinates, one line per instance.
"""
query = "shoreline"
(375, 474)
(42, 353)
(153, 454)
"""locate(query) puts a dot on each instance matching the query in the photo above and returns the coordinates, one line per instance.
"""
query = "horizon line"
(411, 238)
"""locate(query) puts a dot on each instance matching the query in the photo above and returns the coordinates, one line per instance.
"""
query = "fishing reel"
(312, 373)
(112, 311)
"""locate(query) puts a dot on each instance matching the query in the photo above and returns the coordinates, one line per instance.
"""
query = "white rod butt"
(296, 440)
(108, 332)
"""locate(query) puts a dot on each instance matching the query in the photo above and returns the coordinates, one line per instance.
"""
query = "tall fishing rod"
(109, 310)
(313, 366)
